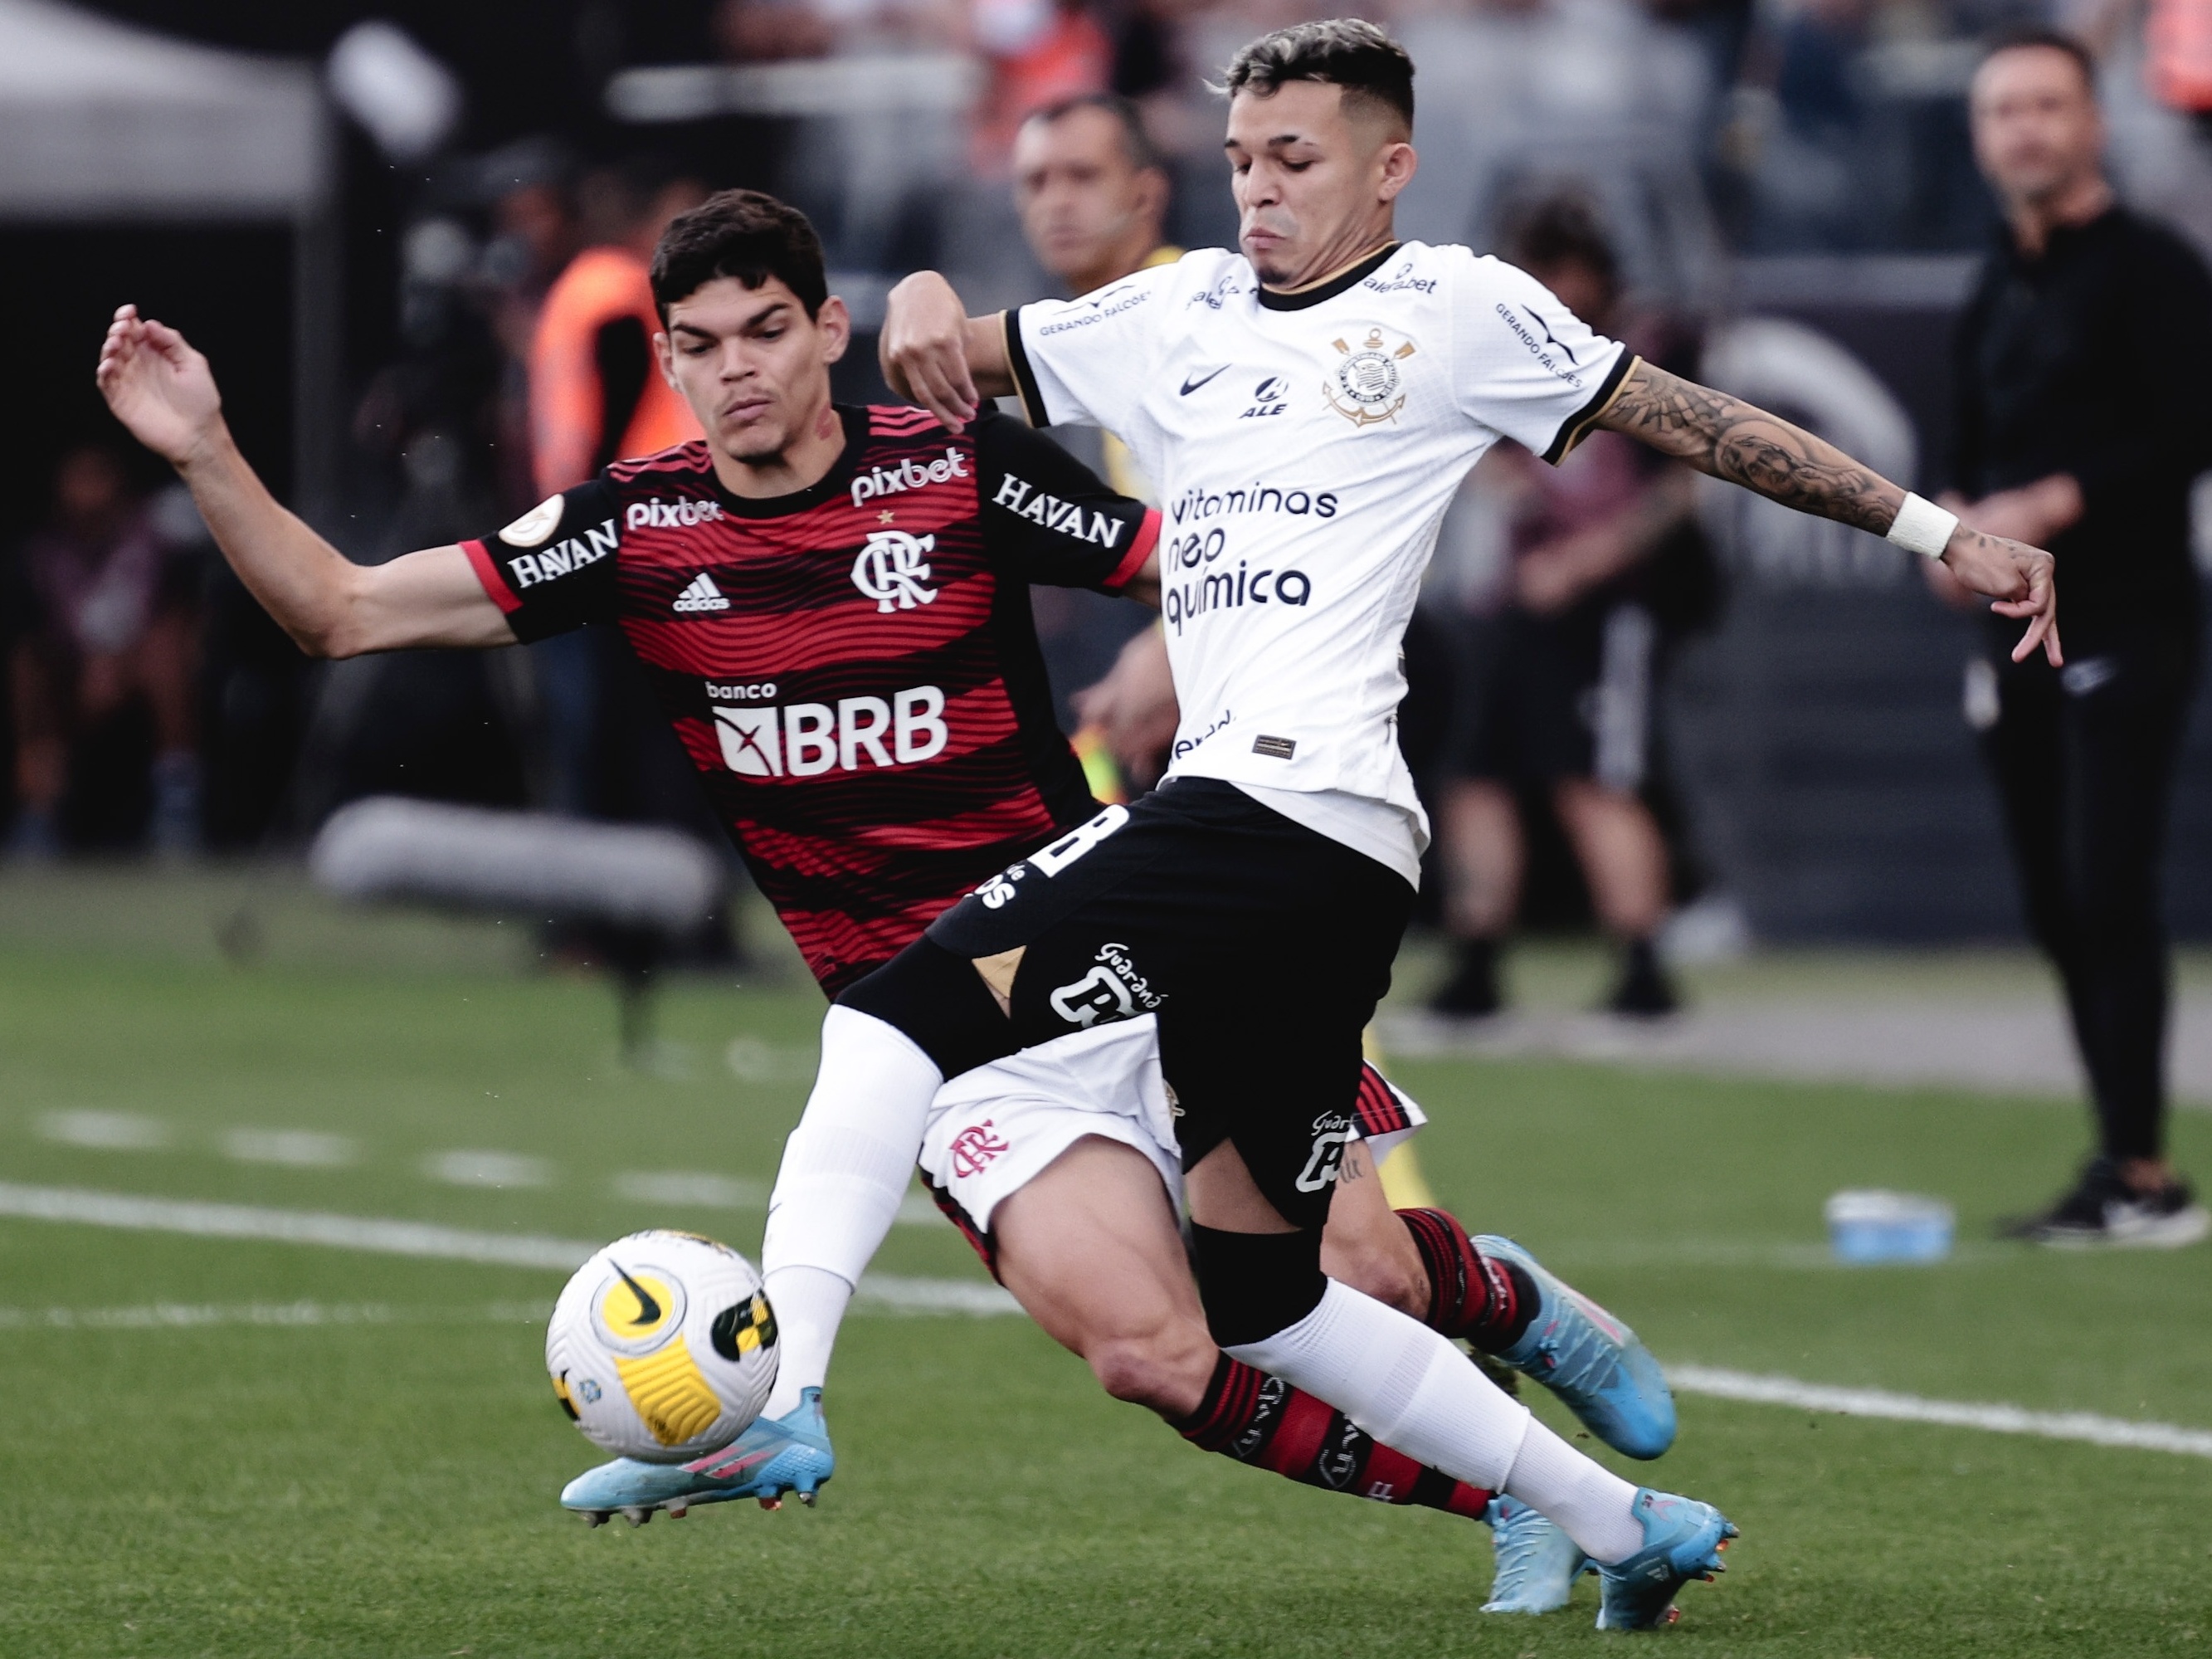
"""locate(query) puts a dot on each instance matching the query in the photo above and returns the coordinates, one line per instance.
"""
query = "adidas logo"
(701, 595)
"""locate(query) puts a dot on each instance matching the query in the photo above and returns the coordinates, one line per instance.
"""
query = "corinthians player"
(1307, 406)
(832, 604)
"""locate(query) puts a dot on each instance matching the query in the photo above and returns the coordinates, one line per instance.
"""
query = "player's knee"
(1165, 1371)
(1254, 1285)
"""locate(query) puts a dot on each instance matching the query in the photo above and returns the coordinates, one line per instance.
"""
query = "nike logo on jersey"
(701, 595)
(1190, 385)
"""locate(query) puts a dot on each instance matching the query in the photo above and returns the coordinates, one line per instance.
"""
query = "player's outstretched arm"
(1734, 440)
(163, 391)
(936, 355)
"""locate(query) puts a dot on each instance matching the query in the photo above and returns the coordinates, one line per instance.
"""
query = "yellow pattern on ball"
(670, 1394)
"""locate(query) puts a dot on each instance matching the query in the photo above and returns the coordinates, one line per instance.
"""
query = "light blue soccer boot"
(1682, 1540)
(1537, 1562)
(788, 1454)
(1592, 1361)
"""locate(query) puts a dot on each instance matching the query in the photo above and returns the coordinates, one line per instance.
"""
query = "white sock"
(1592, 1504)
(810, 1305)
(845, 1168)
(1400, 1380)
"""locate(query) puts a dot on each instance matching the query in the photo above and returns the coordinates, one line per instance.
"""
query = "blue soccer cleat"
(1592, 1361)
(1537, 1562)
(1682, 1540)
(788, 1454)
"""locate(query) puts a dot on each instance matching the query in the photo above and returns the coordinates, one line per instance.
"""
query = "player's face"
(752, 365)
(2037, 129)
(1313, 183)
(1078, 196)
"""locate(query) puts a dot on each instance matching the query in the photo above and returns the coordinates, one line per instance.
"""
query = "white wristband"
(1922, 527)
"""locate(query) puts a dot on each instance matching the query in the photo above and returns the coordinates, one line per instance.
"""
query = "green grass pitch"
(385, 1487)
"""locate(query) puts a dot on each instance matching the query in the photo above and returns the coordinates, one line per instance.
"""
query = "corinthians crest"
(1367, 388)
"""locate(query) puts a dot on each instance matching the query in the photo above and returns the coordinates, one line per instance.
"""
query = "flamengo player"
(1307, 409)
(831, 606)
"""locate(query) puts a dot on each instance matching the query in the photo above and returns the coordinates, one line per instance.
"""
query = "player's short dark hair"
(1349, 52)
(2048, 39)
(742, 234)
(1559, 229)
(1136, 144)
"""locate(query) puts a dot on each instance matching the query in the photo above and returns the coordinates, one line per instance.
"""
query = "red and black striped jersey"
(853, 669)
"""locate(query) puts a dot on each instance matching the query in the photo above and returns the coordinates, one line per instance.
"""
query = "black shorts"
(1262, 945)
(1542, 698)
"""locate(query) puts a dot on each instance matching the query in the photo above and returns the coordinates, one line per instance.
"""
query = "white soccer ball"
(663, 1347)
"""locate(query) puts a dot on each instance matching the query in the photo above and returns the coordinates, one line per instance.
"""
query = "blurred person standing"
(1039, 52)
(597, 396)
(1092, 193)
(1555, 687)
(2069, 432)
(106, 619)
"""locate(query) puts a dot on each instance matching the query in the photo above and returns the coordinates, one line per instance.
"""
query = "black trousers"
(2083, 758)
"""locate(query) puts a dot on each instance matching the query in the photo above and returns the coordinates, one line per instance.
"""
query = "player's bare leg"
(1367, 1244)
(1090, 1249)
(1401, 1382)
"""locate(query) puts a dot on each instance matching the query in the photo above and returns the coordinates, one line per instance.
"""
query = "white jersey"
(1305, 446)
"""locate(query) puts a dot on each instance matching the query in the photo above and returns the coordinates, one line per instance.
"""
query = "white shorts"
(994, 1130)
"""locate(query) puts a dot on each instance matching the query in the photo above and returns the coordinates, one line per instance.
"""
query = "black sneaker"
(1471, 993)
(2103, 1209)
(1643, 991)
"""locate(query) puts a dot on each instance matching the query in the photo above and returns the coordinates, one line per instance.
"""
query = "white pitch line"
(192, 1315)
(880, 1292)
(886, 1293)
(1951, 1413)
(345, 1233)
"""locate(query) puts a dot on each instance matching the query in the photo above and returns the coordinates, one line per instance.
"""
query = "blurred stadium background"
(357, 211)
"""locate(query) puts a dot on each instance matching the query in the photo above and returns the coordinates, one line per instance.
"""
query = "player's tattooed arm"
(164, 392)
(934, 353)
(1738, 441)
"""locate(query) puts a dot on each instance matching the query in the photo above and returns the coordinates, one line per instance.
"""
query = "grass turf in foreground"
(386, 1489)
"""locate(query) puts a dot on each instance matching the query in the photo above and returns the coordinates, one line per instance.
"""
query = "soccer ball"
(663, 1347)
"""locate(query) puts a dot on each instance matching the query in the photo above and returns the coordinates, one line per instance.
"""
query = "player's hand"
(2021, 579)
(1134, 706)
(925, 349)
(158, 387)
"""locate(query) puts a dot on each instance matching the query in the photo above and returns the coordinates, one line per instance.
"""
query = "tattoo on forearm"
(1732, 439)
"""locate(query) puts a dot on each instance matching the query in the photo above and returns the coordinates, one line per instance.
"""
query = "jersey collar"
(831, 484)
(1328, 288)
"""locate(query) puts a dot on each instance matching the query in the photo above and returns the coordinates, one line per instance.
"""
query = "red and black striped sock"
(1262, 1420)
(1489, 1303)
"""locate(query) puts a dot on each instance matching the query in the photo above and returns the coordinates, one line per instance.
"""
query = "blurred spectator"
(1039, 51)
(596, 393)
(1092, 196)
(535, 233)
(2070, 437)
(106, 624)
(596, 396)
(1556, 684)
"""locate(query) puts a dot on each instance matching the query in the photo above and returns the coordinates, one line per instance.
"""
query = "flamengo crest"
(892, 568)
(1366, 388)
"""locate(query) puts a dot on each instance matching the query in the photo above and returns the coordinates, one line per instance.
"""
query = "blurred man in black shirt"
(2081, 362)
